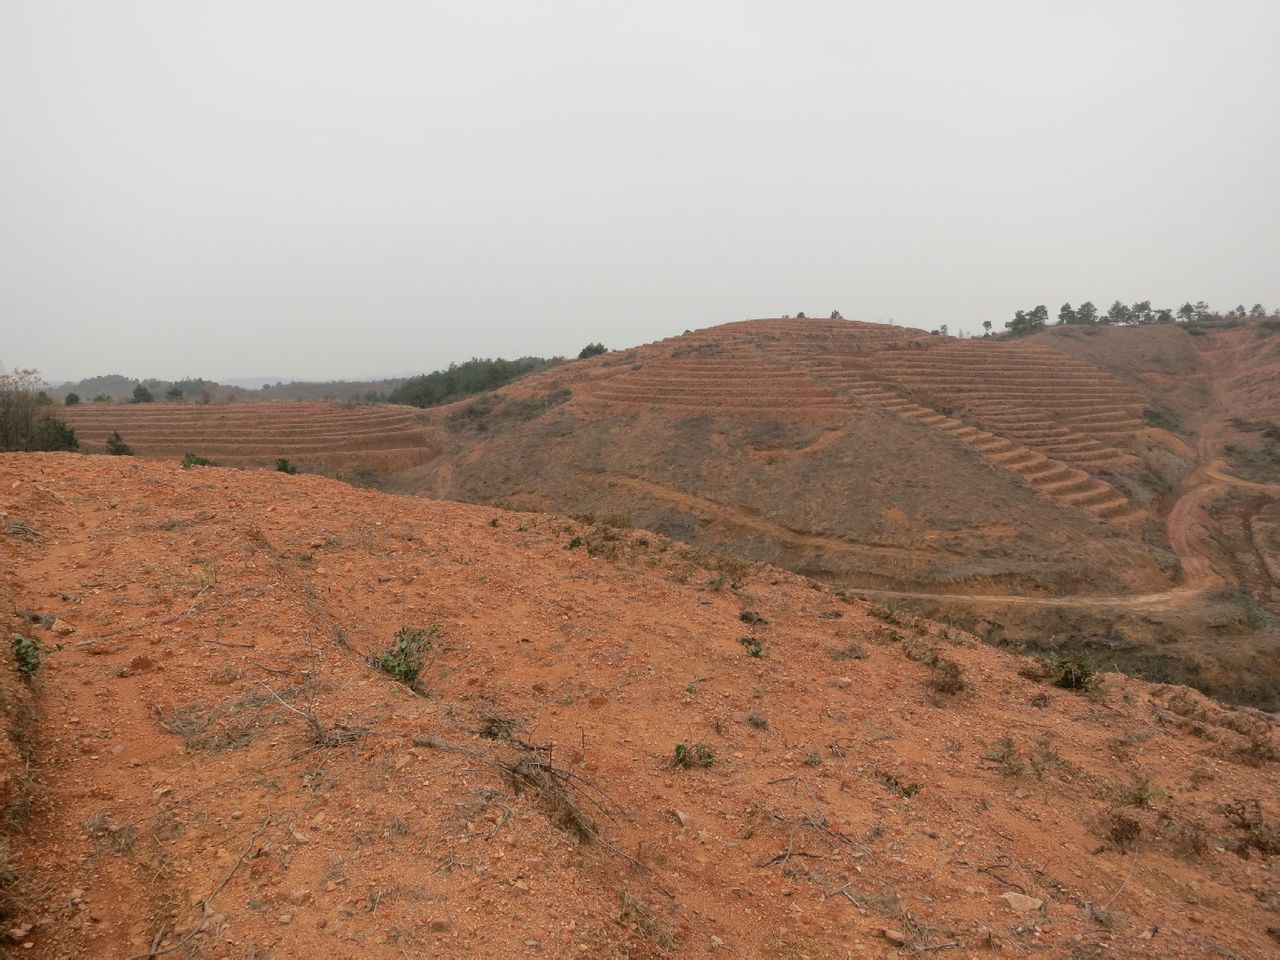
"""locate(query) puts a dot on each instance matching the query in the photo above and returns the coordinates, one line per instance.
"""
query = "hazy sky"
(325, 189)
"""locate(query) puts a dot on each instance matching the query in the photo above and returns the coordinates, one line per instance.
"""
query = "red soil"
(322, 437)
(177, 803)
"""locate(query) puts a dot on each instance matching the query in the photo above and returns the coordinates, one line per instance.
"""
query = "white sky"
(323, 189)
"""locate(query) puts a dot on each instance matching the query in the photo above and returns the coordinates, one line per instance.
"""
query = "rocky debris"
(1021, 902)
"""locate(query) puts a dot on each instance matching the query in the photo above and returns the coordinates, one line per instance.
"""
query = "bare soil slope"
(1067, 490)
(217, 769)
(1111, 490)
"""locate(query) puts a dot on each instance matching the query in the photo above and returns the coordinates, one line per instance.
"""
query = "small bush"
(1120, 829)
(1189, 839)
(25, 422)
(284, 466)
(72, 399)
(758, 721)
(946, 677)
(882, 611)
(52, 434)
(191, 460)
(1045, 755)
(141, 395)
(894, 785)
(592, 350)
(1257, 832)
(574, 543)
(406, 656)
(852, 652)
(695, 755)
(752, 645)
(1072, 672)
(1140, 793)
(1163, 419)
(29, 653)
(1006, 756)
(361, 477)
(117, 447)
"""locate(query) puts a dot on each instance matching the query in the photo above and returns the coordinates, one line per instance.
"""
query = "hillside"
(1067, 490)
(317, 437)
(1105, 490)
(217, 768)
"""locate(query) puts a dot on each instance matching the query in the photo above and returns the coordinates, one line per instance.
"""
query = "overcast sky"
(325, 189)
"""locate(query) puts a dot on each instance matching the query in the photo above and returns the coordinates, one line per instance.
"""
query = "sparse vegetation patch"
(891, 783)
(691, 755)
(28, 653)
(407, 655)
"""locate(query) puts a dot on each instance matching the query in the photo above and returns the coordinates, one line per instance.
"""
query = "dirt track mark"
(785, 453)
(749, 519)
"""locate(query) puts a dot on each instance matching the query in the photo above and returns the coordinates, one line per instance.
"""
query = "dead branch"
(204, 918)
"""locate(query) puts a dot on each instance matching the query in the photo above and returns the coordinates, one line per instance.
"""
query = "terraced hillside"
(318, 437)
(1098, 489)
(1056, 490)
(1051, 420)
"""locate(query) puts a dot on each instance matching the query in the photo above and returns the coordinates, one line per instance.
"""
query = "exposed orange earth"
(326, 437)
(1064, 491)
(216, 768)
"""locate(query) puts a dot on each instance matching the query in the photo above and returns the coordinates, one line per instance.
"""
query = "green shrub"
(29, 654)
(894, 785)
(752, 645)
(52, 434)
(141, 395)
(25, 423)
(592, 350)
(191, 460)
(695, 755)
(461, 380)
(117, 447)
(361, 477)
(1006, 756)
(71, 399)
(1139, 792)
(1072, 672)
(407, 654)
(284, 466)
